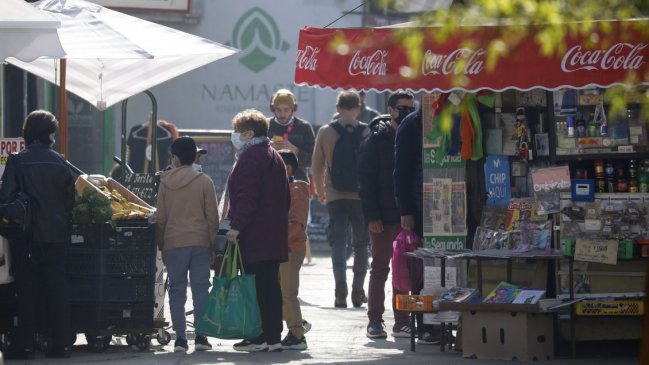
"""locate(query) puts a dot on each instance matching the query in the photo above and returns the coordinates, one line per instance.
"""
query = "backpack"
(344, 174)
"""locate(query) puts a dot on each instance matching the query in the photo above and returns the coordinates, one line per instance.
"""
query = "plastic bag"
(402, 280)
(232, 310)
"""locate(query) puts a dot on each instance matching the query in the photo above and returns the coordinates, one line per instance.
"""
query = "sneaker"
(376, 329)
(358, 298)
(401, 330)
(276, 347)
(428, 338)
(201, 343)
(290, 342)
(181, 345)
(306, 325)
(254, 345)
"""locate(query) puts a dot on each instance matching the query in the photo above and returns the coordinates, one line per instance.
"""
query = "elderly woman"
(259, 203)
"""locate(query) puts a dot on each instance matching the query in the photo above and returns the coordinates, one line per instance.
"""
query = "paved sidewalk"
(337, 337)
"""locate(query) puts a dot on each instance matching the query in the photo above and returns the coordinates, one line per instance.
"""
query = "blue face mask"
(235, 138)
(197, 167)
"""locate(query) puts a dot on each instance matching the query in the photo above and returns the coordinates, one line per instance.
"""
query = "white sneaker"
(276, 347)
(401, 330)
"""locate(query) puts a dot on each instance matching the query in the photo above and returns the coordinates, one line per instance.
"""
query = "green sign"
(447, 162)
(257, 35)
(445, 242)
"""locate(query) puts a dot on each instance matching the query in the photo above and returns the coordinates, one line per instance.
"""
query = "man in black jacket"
(375, 169)
(409, 190)
(46, 178)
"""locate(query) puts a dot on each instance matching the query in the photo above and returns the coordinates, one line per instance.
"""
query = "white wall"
(209, 97)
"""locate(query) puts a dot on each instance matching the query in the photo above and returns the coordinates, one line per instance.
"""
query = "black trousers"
(269, 297)
(42, 295)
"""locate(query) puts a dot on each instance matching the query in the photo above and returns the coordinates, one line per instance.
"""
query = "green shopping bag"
(232, 311)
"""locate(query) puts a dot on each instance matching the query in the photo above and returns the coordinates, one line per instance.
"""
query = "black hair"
(289, 159)
(185, 149)
(38, 125)
(394, 98)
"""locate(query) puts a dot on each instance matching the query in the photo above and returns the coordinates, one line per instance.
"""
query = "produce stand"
(111, 269)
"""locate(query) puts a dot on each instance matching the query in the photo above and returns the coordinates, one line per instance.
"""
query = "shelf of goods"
(613, 288)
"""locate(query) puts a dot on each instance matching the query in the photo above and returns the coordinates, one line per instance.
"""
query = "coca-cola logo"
(619, 56)
(447, 64)
(307, 58)
(369, 65)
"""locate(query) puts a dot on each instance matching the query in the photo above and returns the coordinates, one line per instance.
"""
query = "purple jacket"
(259, 204)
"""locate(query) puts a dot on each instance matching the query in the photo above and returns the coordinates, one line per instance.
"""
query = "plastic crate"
(610, 308)
(414, 303)
(100, 317)
(111, 288)
(124, 233)
(132, 262)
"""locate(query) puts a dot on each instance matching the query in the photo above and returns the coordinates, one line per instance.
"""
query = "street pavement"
(337, 337)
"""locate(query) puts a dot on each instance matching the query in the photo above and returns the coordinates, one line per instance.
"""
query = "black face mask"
(403, 110)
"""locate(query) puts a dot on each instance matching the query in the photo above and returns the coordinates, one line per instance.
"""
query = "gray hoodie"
(187, 213)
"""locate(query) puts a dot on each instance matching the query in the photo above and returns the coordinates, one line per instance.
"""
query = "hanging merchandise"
(454, 148)
(489, 99)
(466, 132)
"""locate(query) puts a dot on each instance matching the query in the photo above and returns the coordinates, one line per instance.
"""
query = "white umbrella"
(27, 33)
(111, 56)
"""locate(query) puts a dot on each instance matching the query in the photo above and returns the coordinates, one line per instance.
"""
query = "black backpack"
(344, 174)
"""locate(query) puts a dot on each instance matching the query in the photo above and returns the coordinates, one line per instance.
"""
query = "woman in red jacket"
(259, 204)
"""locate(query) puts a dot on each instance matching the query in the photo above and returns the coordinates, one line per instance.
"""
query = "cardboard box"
(95, 181)
(498, 332)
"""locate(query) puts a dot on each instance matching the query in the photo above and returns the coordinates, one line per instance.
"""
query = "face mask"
(235, 138)
(197, 167)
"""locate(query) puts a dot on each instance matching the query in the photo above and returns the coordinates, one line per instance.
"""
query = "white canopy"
(27, 33)
(112, 56)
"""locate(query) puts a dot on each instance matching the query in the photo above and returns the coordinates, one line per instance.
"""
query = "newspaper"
(441, 207)
(458, 205)
(428, 209)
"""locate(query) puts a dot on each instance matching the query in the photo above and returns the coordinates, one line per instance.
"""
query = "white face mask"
(197, 167)
(235, 138)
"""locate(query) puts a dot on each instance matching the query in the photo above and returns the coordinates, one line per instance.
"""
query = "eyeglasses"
(405, 108)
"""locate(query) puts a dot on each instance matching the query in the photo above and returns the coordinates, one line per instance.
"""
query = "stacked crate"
(111, 273)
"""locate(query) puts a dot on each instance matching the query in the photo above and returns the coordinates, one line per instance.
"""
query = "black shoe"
(181, 345)
(19, 355)
(58, 353)
(376, 329)
(428, 338)
(254, 345)
(290, 342)
(358, 298)
(341, 302)
(201, 343)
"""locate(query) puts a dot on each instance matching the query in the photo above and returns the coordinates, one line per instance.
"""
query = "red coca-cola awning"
(377, 59)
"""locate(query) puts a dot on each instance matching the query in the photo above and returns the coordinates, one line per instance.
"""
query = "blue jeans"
(180, 261)
(342, 214)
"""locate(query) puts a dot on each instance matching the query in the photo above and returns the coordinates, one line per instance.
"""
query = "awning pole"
(63, 109)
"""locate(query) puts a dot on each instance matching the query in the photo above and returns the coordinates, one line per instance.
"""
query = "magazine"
(458, 294)
(548, 183)
(529, 296)
(503, 293)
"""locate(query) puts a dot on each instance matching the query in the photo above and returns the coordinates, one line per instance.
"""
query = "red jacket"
(259, 204)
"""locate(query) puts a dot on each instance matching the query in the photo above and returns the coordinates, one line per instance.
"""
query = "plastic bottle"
(571, 126)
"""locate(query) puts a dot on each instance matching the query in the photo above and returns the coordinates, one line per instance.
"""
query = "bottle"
(603, 129)
(622, 185)
(571, 126)
(600, 173)
(633, 176)
(581, 126)
(591, 127)
(643, 180)
(610, 177)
